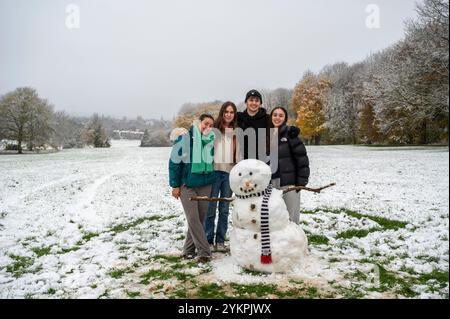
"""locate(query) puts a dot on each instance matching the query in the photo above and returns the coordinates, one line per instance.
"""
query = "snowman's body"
(288, 242)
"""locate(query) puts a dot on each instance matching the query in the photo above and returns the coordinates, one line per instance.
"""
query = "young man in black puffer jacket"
(254, 117)
(293, 162)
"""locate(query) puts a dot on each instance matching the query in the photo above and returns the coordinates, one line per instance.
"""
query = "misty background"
(148, 58)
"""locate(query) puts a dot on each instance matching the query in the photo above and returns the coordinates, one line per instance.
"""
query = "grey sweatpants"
(195, 214)
(292, 200)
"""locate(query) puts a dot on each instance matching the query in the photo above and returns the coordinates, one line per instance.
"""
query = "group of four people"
(192, 173)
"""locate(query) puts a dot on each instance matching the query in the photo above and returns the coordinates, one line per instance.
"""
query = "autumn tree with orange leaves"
(307, 102)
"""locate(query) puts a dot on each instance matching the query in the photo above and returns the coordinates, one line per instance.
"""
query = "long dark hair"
(218, 124)
(270, 125)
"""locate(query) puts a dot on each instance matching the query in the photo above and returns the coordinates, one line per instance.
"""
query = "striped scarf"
(259, 194)
(266, 254)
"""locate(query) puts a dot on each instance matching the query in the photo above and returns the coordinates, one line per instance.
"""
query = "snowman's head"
(249, 177)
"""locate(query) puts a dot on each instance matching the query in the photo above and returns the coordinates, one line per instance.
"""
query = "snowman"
(262, 237)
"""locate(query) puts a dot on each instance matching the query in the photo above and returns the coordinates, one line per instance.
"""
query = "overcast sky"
(147, 58)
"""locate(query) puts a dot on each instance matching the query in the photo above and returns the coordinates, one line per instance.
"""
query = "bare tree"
(39, 128)
(18, 109)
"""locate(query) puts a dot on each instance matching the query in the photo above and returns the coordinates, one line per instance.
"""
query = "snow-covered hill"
(96, 223)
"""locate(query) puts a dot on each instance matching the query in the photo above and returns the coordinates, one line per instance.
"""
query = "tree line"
(29, 122)
(396, 96)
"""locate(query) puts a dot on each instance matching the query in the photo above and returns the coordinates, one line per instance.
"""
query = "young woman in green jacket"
(191, 173)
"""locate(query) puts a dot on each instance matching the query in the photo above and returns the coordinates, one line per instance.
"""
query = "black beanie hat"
(253, 93)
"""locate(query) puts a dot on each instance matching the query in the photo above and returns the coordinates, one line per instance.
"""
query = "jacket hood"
(177, 132)
(289, 131)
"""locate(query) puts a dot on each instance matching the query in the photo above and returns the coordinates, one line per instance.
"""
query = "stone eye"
(251, 173)
(240, 174)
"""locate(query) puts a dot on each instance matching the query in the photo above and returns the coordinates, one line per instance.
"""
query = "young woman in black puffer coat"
(293, 162)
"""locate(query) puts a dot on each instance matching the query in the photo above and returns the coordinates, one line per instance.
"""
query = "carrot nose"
(247, 183)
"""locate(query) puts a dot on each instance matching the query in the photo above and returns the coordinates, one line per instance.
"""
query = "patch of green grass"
(258, 290)
(385, 223)
(408, 270)
(179, 293)
(20, 265)
(352, 292)
(367, 261)
(133, 294)
(105, 294)
(334, 260)
(358, 274)
(300, 291)
(124, 227)
(41, 251)
(317, 239)
(88, 236)
(253, 272)
(51, 291)
(310, 212)
(164, 275)
(118, 273)
(430, 259)
(292, 293)
(182, 276)
(391, 280)
(313, 292)
(180, 265)
(360, 233)
(171, 259)
(68, 250)
(440, 276)
(174, 262)
(211, 291)
(168, 217)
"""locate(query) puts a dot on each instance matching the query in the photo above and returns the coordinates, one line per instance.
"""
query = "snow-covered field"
(97, 223)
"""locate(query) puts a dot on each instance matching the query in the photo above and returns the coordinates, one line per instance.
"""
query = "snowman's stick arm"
(209, 199)
(304, 188)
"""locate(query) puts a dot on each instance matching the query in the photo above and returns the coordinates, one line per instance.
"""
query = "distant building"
(127, 135)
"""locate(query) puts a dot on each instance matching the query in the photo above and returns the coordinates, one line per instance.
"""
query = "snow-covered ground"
(101, 223)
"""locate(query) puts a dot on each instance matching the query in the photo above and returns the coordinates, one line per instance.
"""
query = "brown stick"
(315, 190)
(209, 199)
(289, 189)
